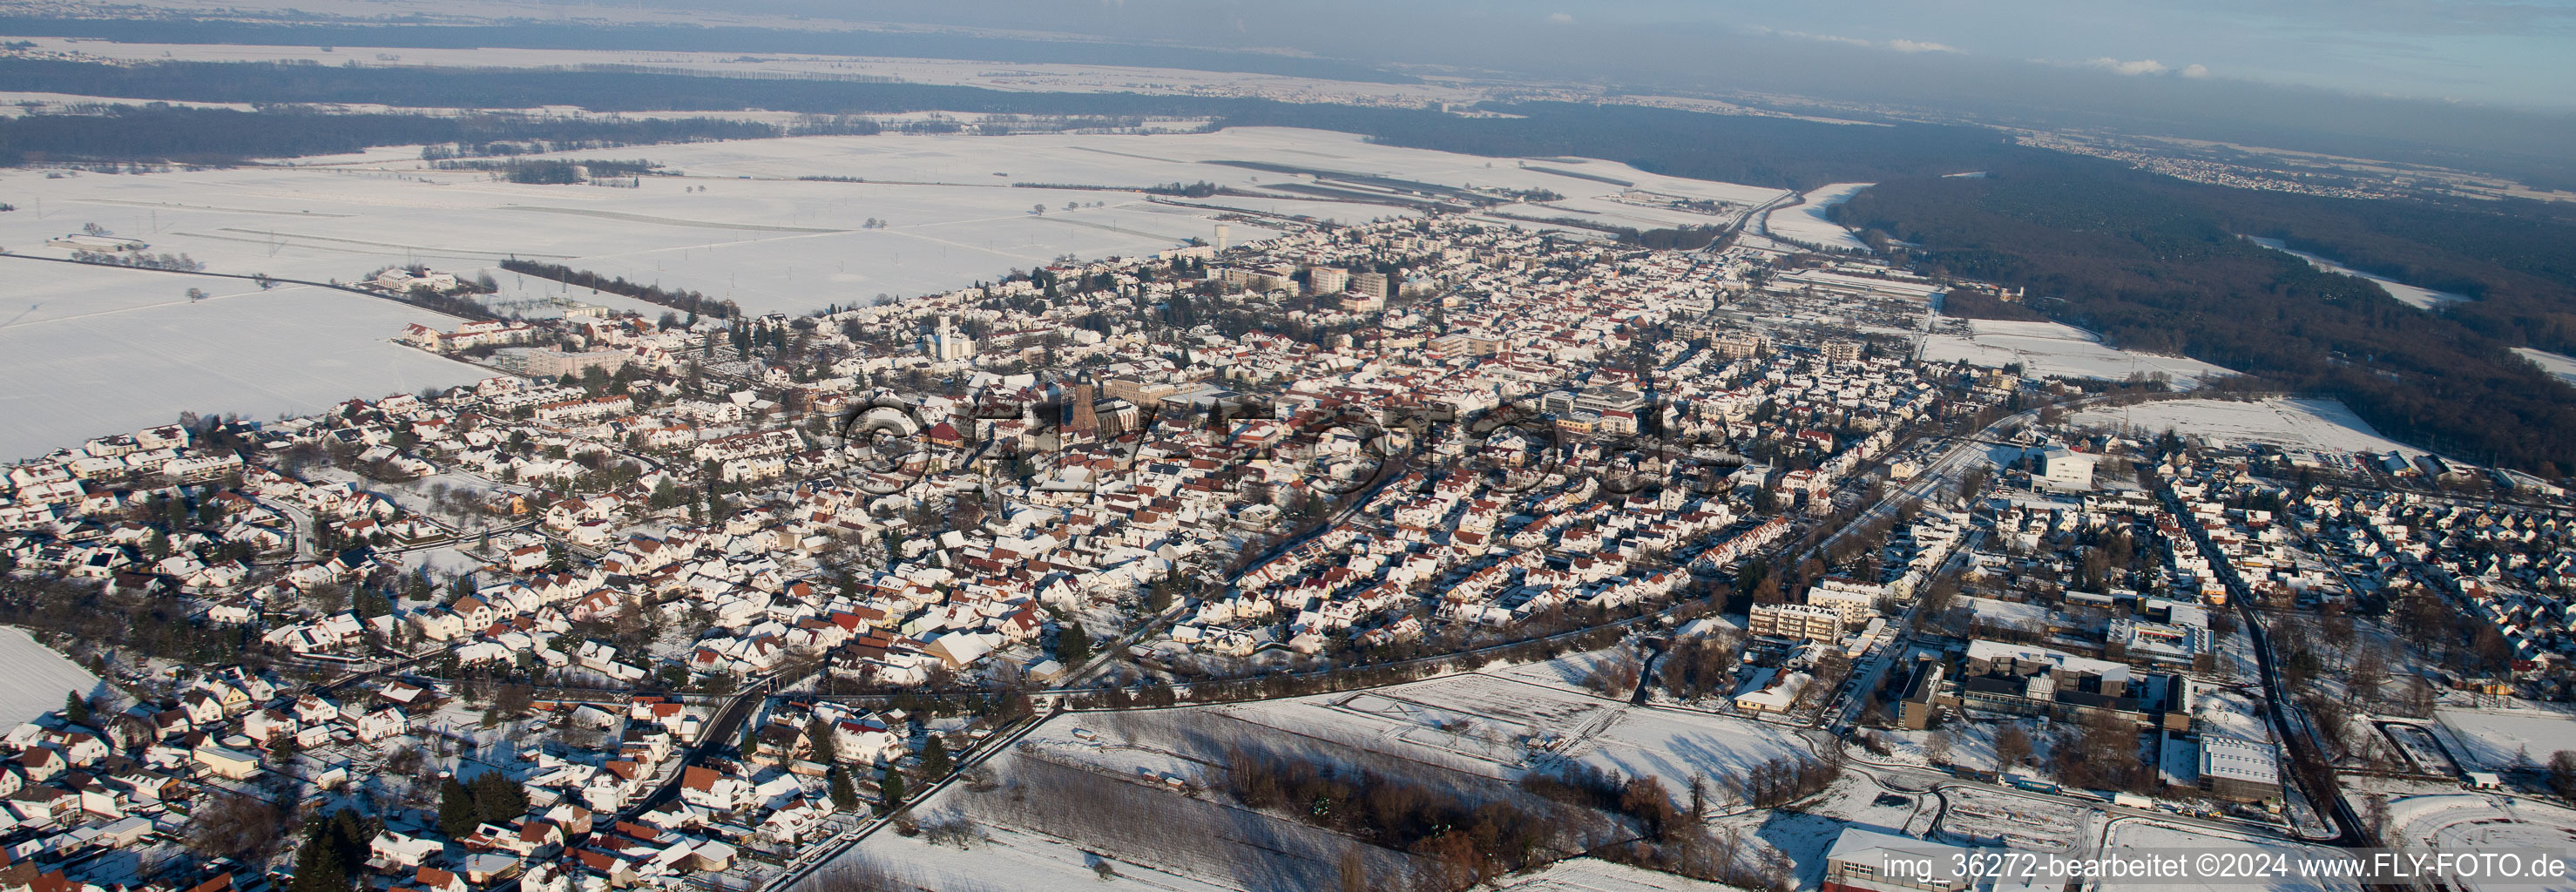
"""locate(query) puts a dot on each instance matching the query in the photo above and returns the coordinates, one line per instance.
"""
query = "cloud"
(1901, 45)
(2195, 70)
(2137, 67)
(1826, 38)
(1560, 18)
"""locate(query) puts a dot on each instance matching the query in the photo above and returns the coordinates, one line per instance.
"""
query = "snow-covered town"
(1424, 529)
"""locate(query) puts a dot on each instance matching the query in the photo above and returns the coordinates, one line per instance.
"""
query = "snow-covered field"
(2413, 296)
(37, 678)
(1674, 745)
(2467, 822)
(1804, 223)
(1595, 875)
(2504, 739)
(2560, 366)
(2048, 348)
(97, 350)
(2167, 840)
(94, 350)
(2316, 425)
(740, 225)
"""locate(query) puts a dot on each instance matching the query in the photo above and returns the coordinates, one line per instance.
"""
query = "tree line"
(683, 300)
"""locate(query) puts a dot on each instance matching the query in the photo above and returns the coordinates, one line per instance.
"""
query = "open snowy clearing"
(2499, 740)
(2558, 365)
(2048, 348)
(96, 350)
(2411, 295)
(2168, 840)
(1674, 744)
(1804, 223)
(2465, 822)
(2316, 425)
(1595, 875)
(739, 225)
(36, 678)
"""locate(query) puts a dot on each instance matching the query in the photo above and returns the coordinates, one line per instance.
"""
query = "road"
(815, 859)
(2310, 770)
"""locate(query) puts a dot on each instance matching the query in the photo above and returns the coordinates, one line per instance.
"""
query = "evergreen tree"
(889, 791)
(75, 709)
(456, 815)
(826, 748)
(332, 849)
(934, 759)
(497, 800)
(1072, 645)
(844, 796)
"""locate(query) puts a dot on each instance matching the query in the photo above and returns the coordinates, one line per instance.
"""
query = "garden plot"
(2502, 740)
(100, 350)
(2050, 349)
(37, 678)
(2317, 425)
(2171, 839)
(1989, 817)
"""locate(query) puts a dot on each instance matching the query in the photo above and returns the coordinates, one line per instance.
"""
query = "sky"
(2508, 53)
(2500, 52)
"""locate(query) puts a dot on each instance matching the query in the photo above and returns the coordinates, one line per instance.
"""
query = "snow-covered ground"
(1595, 875)
(95, 350)
(2499, 739)
(2413, 296)
(2048, 348)
(2469, 822)
(1805, 223)
(741, 226)
(37, 678)
(2136, 837)
(1674, 744)
(2558, 365)
(2316, 425)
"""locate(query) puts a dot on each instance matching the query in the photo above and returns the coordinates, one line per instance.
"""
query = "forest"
(2158, 264)
(164, 133)
(1759, 151)
(692, 38)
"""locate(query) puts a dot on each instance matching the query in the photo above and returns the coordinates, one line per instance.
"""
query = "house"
(708, 788)
(401, 850)
(227, 763)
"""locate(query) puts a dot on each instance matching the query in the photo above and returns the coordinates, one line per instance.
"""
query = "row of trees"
(684, 300)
